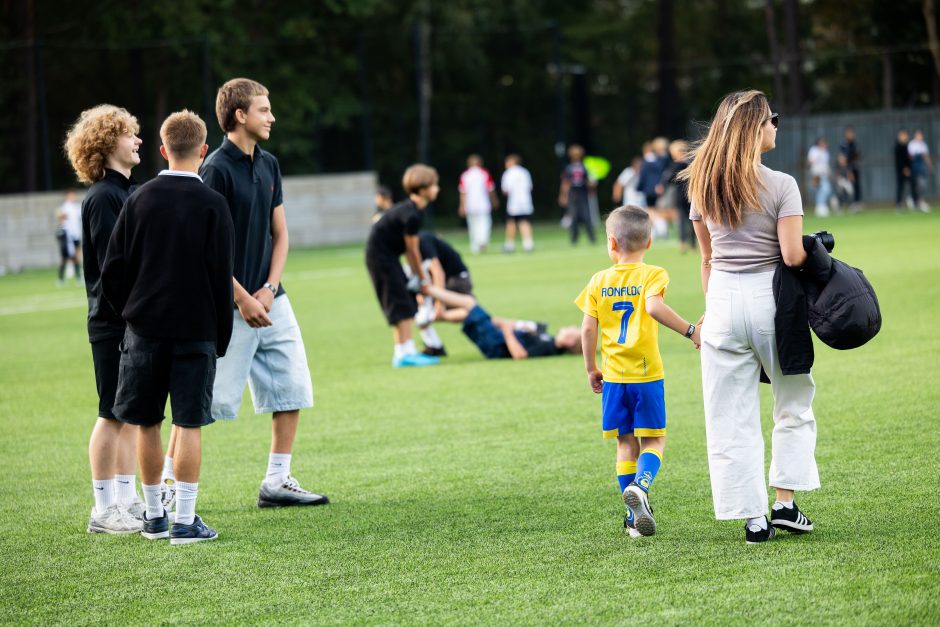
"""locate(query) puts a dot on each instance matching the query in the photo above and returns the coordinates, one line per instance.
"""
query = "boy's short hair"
(93, 138)
(575, 151)
(630, 226)
(473, 160)
(514, 158)
(418, 177)
(183, 134)
(383, 191)
(233, 95)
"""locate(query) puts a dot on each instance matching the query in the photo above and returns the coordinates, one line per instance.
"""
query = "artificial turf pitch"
(481, 491)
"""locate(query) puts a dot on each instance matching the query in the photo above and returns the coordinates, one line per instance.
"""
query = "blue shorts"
(479, 328)
(634, 408)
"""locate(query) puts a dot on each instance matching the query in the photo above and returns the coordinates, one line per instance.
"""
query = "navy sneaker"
(156, 529)
(195, 532)
(790, 519)
(637, 500)
(630, 524)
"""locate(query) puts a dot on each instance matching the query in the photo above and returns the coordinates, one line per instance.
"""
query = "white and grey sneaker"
(287, 494)
(789, 518)
(136, 508)
(115, 520)
(636, 499)
(168, 494)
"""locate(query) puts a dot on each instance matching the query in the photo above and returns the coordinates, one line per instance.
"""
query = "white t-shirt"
(477, 184)
(631, 196)
(73, 219)
(517, 185)
(818, 158)
(917, 147)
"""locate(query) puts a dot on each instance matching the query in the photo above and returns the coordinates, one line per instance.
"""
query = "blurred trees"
(500, 75)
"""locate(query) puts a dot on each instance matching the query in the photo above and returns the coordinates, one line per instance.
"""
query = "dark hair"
(383, 191)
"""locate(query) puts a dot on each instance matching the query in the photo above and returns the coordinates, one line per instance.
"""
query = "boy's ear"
(164, 153)
(204, 151)
(612, 242)
(649, 243)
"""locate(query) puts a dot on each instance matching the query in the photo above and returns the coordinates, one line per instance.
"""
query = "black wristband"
(690, 331)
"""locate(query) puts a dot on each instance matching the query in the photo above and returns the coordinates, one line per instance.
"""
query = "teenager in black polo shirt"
(394, 235)
(174, 236)
(447, 270)
(267, 347)
(102, 148)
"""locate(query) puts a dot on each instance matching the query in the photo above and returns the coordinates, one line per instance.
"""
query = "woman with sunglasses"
(747, 218)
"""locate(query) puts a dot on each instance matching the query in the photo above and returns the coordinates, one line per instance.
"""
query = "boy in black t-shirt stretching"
(175, 236)
(396, 233)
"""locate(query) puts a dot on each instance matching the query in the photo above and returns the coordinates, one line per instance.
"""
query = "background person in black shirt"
(266, 345)
(102, 148)
(853, 156)
(393, 235)
(502, 338)
(902, 170)
(174, 236)
(447, 270)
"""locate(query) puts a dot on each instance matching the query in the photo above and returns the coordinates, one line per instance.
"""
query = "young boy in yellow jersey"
(625, 302)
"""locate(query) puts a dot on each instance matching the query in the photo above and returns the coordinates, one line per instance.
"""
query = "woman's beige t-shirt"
(753, 246)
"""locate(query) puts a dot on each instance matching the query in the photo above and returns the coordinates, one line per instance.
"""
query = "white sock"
(760, 522)
(529, 326)
(430, 338)
(527, 244)
(410, 348)
(278, 468)
(782, 504)
(186, 502)
(125, 488)
(167, 468)
(152, 499)
(104, 494)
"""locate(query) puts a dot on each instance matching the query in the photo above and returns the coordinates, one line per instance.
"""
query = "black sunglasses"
(774, 119)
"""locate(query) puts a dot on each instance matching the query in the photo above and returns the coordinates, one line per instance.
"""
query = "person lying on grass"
(502, 338)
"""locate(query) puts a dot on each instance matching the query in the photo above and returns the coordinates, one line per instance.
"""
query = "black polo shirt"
(100, 209)
(433, 246)
(252, 187)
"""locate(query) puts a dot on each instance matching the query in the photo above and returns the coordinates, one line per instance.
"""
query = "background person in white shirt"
(477, 200)
(818, 158)
(625, 191)
(921, 165)
(72, 210)
(517, 185)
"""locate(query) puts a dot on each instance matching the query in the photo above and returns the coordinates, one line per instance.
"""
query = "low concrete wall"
(322, 209)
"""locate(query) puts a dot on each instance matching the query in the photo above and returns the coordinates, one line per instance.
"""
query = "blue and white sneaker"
(195, 532)
(629, 523)
(636, 499)
(414, 360)
(156, 529)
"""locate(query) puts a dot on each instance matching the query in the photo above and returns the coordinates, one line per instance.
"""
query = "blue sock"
(647, 465)
(626, 473)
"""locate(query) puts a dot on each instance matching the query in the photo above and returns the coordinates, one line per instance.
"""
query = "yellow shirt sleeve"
(656, 282)
(587, 299)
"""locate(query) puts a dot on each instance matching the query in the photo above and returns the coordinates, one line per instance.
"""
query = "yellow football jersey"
(629, 335)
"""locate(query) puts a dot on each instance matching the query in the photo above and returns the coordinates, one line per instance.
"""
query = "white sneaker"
(114, 520)
(136, 508)
(168, 494)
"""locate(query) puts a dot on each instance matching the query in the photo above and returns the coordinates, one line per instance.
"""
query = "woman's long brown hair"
(723, 175)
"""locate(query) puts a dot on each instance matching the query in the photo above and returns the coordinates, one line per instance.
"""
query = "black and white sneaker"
(636, 499)
(790, 519)
(753, 534)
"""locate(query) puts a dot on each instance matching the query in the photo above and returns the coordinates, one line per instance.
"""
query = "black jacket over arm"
(827, 295)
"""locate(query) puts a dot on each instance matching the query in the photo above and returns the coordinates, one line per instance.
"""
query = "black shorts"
(152, 368)
(517, 219)
(460, 283)
(391, 288)
(106, 354)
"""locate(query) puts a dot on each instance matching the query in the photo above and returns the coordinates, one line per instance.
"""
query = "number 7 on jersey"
(627, 308)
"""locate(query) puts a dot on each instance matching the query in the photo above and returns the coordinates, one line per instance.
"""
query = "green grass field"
(482, 492)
